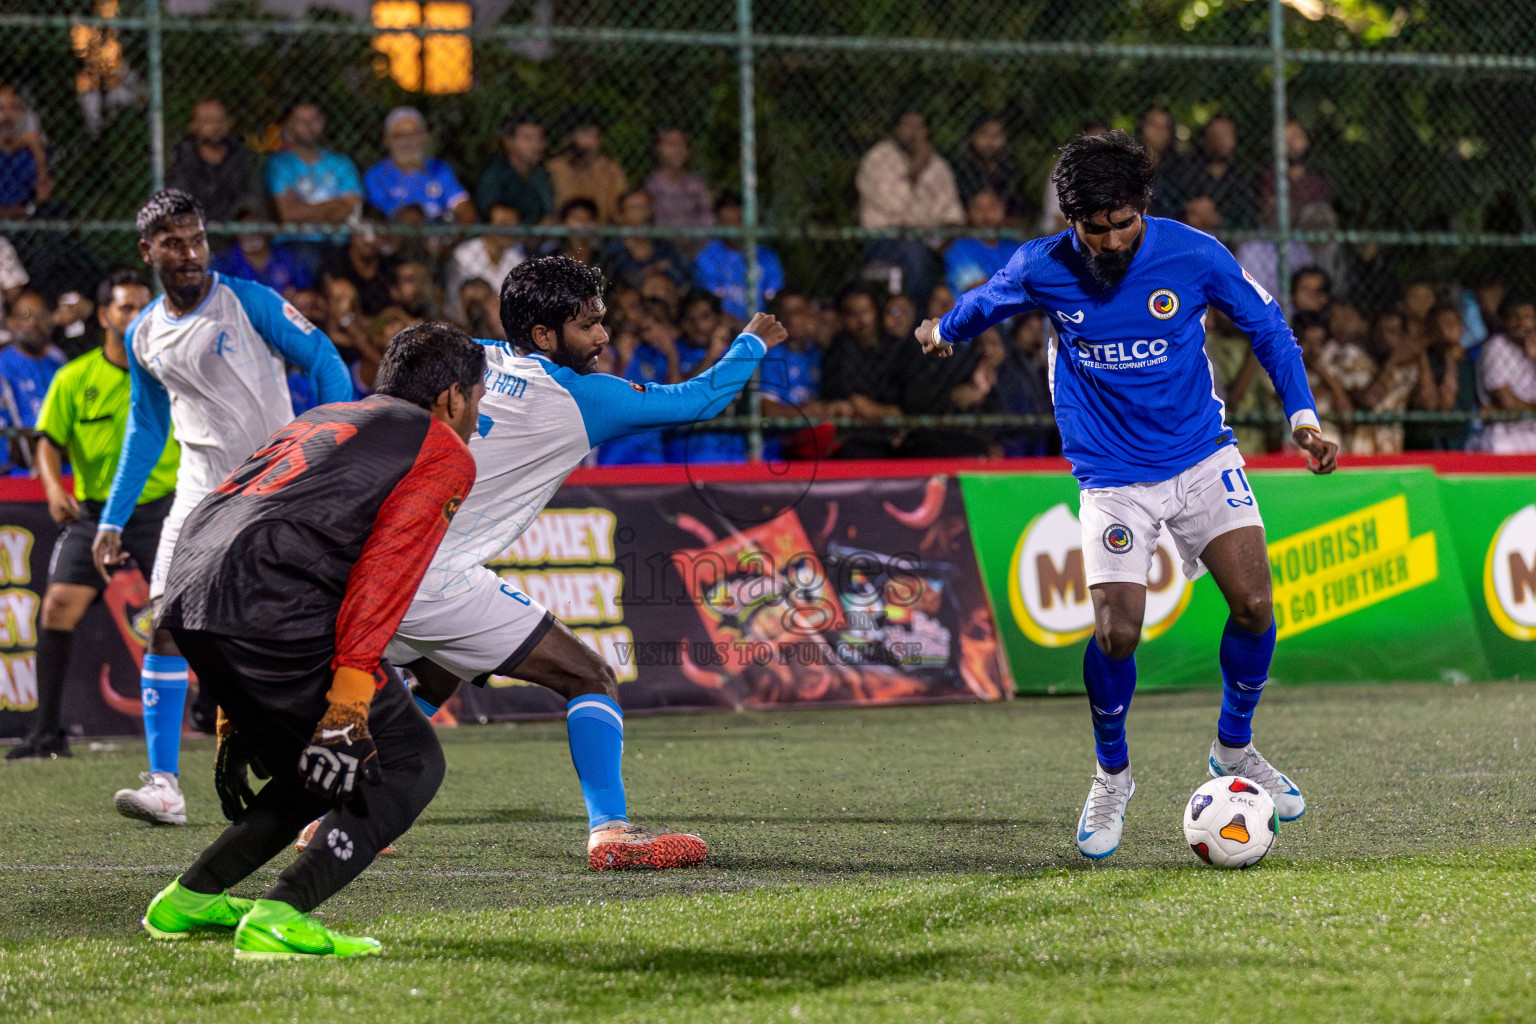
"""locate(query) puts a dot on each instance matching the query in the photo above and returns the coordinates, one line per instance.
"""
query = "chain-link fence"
(1412, 154)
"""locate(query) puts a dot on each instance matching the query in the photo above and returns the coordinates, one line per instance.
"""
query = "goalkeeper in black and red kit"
(288, 581)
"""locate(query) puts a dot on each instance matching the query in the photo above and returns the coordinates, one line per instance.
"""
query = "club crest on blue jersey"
(1163, 303)
(1117, 539)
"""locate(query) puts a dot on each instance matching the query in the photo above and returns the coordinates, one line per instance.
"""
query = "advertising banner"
(761, 595)
(1495, 534)
(1366, 571)
(102, 694)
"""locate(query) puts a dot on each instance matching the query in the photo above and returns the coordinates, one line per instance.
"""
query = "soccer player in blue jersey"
(1148, 441)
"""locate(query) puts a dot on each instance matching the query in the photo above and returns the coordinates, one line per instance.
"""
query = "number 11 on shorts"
(1246, 498)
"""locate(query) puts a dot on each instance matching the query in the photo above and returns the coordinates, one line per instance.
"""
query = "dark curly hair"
(546, 291)
(1102, 172)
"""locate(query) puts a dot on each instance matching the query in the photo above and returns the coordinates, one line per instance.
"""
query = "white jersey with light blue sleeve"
(1134, 393)
(538, 421)
(218, 376)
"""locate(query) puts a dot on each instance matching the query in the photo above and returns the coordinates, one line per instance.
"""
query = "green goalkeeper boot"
(177, 912)
(275, 931)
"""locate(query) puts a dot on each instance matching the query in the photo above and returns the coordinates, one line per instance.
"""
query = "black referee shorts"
(71, 558)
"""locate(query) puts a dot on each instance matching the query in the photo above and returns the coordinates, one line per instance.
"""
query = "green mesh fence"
(1419, 117)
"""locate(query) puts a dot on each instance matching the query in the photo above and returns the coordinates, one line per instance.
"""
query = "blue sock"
(426, 709)
(163, 685)
(1245, 661)
(1110, 685)
(595, 727)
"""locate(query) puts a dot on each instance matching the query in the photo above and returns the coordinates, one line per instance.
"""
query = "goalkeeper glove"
(342, 749)
(230, 764)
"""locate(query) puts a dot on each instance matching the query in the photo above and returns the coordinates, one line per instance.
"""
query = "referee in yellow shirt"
(84, 417)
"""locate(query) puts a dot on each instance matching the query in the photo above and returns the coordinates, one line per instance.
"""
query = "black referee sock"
(53, 647)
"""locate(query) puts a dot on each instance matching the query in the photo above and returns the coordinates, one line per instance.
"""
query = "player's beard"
(1110, 268)
(183, 296)
(563, 356)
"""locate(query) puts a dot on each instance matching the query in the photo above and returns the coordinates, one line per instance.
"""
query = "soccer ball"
(1231, 822)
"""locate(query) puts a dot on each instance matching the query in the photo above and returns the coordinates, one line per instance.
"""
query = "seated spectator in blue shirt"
(721, 268)
(791, 381)
(29, 362)
(24, 178)
(256, 258)
(969, 262)
(706, 334)
(309, 184)
(409, 176)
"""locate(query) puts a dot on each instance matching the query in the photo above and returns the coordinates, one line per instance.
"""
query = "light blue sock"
(1245, 659)
(163, 686)
(595, 726)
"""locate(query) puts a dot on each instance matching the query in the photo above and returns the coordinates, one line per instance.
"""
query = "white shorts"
(487, 627)
(185, 501)
(1120, 524)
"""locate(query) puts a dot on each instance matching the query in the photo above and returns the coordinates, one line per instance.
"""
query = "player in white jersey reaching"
(207, 358)
(544, 410)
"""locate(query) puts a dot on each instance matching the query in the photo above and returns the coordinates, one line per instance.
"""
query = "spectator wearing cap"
(631, 260)
(310, 184)
(987, 166)
(517, 177)
(24, 177)
(1506, 377)
(679, 197)
(488, 257)
(409, 176)
(212, 164)
(583, 171)
(258, 258)
(721, 269)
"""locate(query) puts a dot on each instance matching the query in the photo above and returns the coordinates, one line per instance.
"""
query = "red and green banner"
(1378, 574)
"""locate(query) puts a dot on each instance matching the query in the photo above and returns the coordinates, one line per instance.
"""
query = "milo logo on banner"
(1509, 575)
(1348, 564)
(1048, 585)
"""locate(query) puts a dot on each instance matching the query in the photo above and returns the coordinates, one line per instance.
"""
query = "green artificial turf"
(907, 864)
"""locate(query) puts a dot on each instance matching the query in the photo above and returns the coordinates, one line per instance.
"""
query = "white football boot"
(1098, 830)
(1250, 764)
(158, 801)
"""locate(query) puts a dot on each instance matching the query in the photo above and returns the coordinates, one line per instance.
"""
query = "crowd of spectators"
(677, 300)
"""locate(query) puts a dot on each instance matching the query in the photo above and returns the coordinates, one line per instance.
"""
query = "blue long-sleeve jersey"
(1134, 392)
(218, 375)
(537, 423)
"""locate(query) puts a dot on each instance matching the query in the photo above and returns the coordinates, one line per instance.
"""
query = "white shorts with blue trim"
(1121, 524)
(485, 627)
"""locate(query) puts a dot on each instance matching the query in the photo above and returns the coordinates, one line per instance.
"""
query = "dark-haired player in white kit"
(544, 410)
